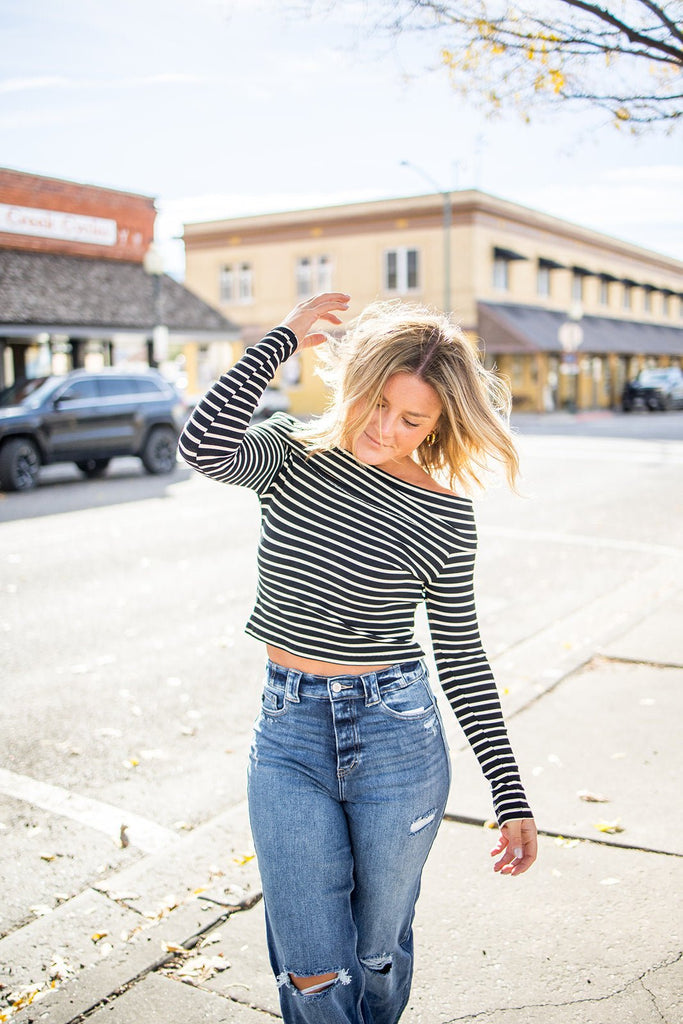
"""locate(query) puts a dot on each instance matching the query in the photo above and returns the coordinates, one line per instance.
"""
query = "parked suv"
(660, 388)
(87, 418)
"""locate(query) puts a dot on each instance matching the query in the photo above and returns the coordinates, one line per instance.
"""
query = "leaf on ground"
(244, 859)
(48, 856)
(124, 841)
(98, 936)
(196, 969)
(40, 909)
(611, 827)
(592, 798)
(567, 844)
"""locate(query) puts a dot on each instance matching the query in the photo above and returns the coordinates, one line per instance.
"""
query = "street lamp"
(447, 219)
(153, 265)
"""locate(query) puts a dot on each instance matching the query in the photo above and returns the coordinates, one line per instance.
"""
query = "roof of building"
(518, 329)
(49, 292)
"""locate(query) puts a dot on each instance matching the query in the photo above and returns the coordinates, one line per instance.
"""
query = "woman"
(349, 772)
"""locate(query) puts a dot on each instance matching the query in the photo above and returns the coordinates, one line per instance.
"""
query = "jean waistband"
(367, 685)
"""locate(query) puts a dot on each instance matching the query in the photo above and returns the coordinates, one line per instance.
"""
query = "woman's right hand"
(307, 313)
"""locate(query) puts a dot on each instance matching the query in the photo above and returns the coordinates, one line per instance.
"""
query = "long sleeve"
(468, 682)
(215, 439)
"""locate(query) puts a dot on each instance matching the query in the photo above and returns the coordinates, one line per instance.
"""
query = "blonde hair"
(394, 337)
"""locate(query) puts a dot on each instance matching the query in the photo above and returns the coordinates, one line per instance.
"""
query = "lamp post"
(157, 348)
(447, 219)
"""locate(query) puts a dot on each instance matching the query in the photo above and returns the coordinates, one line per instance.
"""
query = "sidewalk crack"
(638, 981)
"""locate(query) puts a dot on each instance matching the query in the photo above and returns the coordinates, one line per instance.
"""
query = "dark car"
(88, 418)
(654, 389)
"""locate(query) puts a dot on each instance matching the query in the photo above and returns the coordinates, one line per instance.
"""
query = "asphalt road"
(129, 687)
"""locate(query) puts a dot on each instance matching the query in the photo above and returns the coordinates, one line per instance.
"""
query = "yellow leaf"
(202, 888)
(98, 936)
(622, 114)
(609, 826)
(245, 859)
(558, 80)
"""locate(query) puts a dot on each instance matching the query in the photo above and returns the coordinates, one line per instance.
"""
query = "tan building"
(566, 313)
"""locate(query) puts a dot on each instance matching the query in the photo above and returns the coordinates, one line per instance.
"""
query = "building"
(566, 313)
(78, 287)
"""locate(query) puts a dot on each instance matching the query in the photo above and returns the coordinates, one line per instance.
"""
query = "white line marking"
(144, 834)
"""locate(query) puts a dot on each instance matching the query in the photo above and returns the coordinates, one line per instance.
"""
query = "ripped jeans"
(348, 779)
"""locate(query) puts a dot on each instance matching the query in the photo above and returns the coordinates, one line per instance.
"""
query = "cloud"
(640, 205)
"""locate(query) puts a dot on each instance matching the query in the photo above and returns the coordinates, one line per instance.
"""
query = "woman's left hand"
(519, 845)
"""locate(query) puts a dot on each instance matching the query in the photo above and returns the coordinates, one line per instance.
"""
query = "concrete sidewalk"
(593, 934)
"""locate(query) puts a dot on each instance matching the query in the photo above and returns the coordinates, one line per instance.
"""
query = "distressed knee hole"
(379, 964)
(314, 984)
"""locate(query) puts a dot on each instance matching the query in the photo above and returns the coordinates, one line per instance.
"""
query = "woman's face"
(409, 410)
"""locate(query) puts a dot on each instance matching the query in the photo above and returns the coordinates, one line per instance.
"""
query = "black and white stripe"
(348, 551)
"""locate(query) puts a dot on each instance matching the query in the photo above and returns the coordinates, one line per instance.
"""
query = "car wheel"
(93, 467)
(19, 465)
(159, 453)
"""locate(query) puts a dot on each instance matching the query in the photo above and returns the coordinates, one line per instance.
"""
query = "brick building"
(77, 286)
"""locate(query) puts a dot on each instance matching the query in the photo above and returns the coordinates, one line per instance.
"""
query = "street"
(129, 688)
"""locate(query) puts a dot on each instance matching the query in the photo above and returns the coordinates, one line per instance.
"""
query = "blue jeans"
(348, 779)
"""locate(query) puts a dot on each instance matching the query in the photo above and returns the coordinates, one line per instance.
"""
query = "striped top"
(347, 552)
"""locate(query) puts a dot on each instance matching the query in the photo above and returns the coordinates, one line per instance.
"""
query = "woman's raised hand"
(307, 313)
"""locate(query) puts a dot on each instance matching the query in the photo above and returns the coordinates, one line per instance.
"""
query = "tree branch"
(630, 33)
(665, 20)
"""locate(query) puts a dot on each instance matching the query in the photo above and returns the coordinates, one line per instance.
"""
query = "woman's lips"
(372, 440)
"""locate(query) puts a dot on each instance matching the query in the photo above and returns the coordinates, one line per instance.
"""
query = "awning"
(517, 329)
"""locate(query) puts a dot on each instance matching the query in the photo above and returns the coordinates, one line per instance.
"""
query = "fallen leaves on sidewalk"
(192, 967)
(611, 827)
(592, 798)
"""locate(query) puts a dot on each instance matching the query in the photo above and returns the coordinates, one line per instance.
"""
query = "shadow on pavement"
(62, 488)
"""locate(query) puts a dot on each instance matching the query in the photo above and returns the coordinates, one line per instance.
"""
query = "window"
(604, 291)
(543, 280)
(227, 284)
(245, 283)
(647, 300)
(501, 273)
(313, 274)
(577, 286)
(236, 283)
(628, 291)
(111, 387)
(401, 270)
(80, 390)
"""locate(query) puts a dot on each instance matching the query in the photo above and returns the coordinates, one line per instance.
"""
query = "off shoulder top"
(347, 552)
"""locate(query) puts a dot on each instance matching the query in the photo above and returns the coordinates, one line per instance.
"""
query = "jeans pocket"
(273, 702)
(413, 701)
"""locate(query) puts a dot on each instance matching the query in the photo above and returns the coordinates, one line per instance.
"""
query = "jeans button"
(336, 687)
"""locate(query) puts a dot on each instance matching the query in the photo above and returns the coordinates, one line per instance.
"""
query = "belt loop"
(371, 689)
(292, 685)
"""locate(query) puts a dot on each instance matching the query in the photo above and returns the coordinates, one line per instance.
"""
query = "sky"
(221, 108)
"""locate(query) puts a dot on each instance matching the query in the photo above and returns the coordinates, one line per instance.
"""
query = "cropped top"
(346, 553)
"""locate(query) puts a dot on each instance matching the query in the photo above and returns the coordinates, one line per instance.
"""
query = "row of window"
(401, 274)
(544, 269)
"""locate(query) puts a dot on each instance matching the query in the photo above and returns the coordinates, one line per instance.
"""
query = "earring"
(431, 438)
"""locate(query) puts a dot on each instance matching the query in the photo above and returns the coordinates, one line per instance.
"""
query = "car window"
(655, 376)
(86, 388)
(110, 387)
(148, 385)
